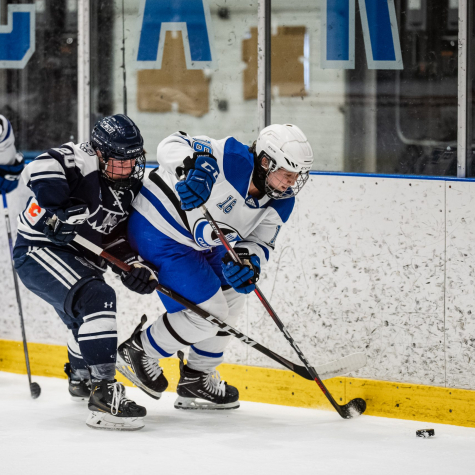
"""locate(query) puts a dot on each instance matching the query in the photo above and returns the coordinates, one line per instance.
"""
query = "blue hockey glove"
(10, 174)
(242, 277)
(201, 173)
(62, 229)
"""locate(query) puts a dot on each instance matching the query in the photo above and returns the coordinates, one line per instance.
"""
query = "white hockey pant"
(175, 331)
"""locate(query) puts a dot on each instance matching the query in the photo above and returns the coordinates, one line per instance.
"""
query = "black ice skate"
(110, 408)
(79, 389)
(142, 370)
(206, 391)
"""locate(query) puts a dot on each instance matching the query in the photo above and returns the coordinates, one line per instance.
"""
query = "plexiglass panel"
(374, 84)
(196, 85)
(40, 97)
(471, 93)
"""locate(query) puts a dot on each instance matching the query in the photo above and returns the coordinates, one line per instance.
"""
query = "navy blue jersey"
(62, 175)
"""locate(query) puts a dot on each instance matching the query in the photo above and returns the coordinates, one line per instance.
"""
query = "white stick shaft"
(88, 245)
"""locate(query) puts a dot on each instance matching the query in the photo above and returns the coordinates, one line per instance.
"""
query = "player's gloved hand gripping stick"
(356, 406)
(197, 177)
(61, 229)
(328, 370)
(35, 389)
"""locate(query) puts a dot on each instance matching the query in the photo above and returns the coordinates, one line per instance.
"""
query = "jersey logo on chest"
(227, 205)
(104, 220)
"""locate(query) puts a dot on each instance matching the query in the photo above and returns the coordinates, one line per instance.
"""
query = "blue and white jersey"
(62, 175)
(254, 224)
(8, 152)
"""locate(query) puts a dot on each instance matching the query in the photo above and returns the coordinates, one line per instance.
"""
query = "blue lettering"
(380, 34)
(191, 17)
(17, 38)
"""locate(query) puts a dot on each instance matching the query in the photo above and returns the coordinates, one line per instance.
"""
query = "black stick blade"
(354, 408)
(35, 390)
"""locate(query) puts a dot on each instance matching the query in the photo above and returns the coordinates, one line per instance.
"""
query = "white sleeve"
(262, 240)
(7, 142)
(172, 150)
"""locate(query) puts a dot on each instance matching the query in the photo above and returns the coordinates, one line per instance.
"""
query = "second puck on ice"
(426, 433)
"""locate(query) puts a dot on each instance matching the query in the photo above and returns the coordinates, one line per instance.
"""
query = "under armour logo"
(106, 305)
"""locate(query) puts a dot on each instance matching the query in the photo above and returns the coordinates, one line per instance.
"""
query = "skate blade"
(196, 404)
(106, 421)
(124, 369)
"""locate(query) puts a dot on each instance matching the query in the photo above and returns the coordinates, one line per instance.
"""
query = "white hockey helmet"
(285, 146)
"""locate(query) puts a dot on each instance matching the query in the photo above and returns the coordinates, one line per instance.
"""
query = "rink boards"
(373, 264)
(274, 386)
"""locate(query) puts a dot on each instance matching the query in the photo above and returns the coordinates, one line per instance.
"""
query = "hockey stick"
(35, 389)
(332, 369)
(353, 408)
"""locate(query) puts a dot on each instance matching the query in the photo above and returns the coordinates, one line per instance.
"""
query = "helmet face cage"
(120, 181)
(274, 193)
(119, 139)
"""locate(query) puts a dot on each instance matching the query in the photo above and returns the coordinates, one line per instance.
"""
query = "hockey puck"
(425, 433)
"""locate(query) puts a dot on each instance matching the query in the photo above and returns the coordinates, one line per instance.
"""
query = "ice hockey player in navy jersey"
(11, 161)
(250, 192)
(87, 189)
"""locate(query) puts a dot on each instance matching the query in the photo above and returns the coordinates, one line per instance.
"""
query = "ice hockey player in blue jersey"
(11, 161)
(87, 189)
(250, 192)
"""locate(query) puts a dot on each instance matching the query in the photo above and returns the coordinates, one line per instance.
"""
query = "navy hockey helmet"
(118, 137)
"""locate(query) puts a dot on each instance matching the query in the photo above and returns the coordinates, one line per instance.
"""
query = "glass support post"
(84, 94)
(263, 63)
(462, 146)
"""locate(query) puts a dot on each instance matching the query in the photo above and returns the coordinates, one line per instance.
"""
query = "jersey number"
(227, 205)
(202, 147)
(68, 156)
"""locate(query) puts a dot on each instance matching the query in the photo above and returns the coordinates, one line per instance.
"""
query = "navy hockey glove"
(242, 277)
(140, 279)
(10, 174)
(62, 229)
(201, 173)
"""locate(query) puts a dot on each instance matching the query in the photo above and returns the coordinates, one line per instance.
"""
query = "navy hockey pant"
(78, 293)
(197, 276)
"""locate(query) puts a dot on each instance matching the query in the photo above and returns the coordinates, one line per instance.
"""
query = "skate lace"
(118, 397)
(214, 384)
(152, 367)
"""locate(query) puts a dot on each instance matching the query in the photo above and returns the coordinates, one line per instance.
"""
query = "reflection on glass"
(426, 92)
(471, 92)
(362, 120)
(41, 100)
(179, 93)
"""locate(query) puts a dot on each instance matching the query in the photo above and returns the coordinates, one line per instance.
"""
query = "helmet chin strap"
(267, 169)
(259, 175)
(104, 166)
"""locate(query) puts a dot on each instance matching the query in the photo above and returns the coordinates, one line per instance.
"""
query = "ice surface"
(49, 436)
